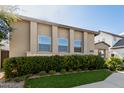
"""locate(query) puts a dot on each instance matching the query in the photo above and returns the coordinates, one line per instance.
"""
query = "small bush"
(42, 73)
(19, 66)
(63, 71)
(79, 70)
(52, 72)
(70, 70)
(114, 63)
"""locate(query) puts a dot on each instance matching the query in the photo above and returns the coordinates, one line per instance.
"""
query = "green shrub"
(78, 70)
(114, 63)
(70, 70)
(19, 66)
(42, 73)
(63, 71)
(52, 72)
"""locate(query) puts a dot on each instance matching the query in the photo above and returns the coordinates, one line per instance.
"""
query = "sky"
(105, 18)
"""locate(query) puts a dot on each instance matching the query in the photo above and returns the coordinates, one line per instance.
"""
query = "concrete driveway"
(116, 80)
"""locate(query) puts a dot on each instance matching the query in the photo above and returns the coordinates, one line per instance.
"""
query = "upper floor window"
(63, 45)
(44, 43)
(77, 45)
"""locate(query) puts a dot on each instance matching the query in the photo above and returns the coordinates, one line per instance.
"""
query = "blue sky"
(106, 18)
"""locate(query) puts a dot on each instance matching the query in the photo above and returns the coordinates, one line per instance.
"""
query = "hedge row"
(18, 66)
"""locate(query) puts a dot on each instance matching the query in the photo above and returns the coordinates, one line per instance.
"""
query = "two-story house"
(109, 38)
(34, 37)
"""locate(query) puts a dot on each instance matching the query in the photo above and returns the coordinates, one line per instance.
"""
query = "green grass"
(67, 80)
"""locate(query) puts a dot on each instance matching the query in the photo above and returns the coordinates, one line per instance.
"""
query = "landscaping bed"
(68, 80)
(19, 66)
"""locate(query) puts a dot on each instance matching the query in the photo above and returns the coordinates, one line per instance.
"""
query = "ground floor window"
(77, 45)
(44, 43)
(63, 45)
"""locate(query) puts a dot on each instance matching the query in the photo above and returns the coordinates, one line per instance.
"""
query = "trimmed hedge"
(19, 66)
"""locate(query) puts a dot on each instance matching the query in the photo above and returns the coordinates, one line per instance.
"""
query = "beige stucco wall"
(88, 43)
(33, 37)
(44, 29)
(78, 35)
(71, 41)
(101, 46)
(118, 52)
(24, 40)
(54, 39)
(62, 32)
(20, 39)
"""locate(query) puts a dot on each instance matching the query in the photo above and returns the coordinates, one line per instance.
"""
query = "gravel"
(11, 84)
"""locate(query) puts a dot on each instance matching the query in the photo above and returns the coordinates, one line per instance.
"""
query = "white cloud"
(52, 13)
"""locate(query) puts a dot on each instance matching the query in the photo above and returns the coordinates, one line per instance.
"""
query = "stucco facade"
(108, 38)
(118, 51)
(24, 40)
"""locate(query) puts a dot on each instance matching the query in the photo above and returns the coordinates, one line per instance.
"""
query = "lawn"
(68, 80)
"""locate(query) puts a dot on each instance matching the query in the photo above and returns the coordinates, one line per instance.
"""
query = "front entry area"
(102, 53)
(102, 49)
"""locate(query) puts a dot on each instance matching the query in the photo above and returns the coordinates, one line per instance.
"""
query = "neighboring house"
(34, 37)
(108, 38)
(118, 48)
(102, 49)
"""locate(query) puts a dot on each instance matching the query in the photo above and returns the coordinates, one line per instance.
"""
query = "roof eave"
(117, 47)
(57, 24)
(111, 34)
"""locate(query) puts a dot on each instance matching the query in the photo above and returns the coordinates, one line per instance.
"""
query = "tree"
(7, 17)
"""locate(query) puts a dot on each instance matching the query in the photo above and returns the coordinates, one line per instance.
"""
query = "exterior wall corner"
(54, 39)
(71, 39)
(33, 37)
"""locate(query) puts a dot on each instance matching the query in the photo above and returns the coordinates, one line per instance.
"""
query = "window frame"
(78, 47)
(50, 50)
(63, 45)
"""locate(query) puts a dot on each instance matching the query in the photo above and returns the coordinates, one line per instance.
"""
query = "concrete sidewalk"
(116, 80)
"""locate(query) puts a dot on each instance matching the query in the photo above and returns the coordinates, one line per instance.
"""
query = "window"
(44, 43)
(77, 45)
(63, 45)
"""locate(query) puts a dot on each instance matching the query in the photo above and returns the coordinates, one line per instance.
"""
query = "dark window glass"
(77, 45)
(44, 43)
